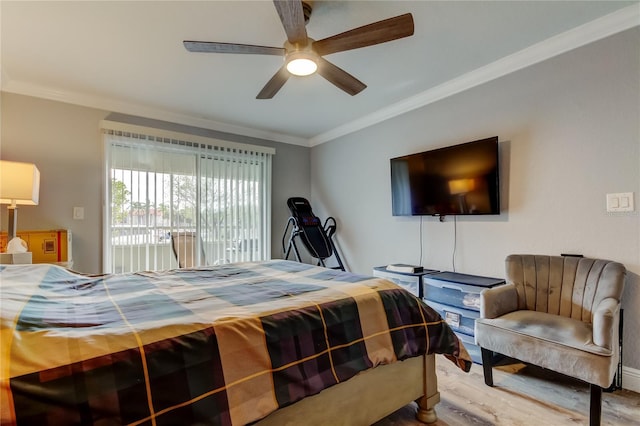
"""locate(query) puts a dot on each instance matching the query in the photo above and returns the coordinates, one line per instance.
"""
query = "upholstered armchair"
(557, 312)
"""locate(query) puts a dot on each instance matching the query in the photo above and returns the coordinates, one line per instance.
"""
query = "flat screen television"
(456, 180)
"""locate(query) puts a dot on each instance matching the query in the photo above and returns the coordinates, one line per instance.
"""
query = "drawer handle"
(451, 287)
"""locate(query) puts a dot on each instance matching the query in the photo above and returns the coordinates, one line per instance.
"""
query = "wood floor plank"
(523, 395)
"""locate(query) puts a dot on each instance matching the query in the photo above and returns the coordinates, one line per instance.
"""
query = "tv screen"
(456, 180)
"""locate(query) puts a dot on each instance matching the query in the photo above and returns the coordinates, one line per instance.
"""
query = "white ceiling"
(128, 57)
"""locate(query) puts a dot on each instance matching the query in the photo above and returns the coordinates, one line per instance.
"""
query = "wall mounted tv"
(455, 180)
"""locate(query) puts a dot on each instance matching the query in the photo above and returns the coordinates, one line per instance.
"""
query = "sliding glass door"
(169, 200)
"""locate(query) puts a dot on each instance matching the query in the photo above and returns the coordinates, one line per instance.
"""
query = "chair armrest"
(498, 301)
(605, 322)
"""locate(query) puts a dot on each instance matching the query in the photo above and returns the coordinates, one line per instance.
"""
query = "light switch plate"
(620, 202)
(78, 213)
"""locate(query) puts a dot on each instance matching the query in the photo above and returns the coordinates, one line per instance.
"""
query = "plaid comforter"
(221, 345)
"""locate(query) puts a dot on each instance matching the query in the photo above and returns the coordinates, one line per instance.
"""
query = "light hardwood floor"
(522, 395)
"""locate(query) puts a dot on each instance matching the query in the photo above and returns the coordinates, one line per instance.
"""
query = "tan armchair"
(556, 312)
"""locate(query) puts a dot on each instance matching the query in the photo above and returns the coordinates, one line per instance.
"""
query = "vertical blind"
(181, 200)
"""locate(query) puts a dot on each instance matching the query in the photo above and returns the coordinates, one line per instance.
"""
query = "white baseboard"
(630, 379)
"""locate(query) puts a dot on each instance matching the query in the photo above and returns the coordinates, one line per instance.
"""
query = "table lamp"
(19, 184)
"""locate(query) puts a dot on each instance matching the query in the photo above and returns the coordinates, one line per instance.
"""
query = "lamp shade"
(19, 183)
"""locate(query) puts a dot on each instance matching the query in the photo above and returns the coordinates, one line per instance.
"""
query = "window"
(161, 185)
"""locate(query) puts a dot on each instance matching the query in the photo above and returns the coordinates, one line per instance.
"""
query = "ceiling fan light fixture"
(301, 63)
(303, 55)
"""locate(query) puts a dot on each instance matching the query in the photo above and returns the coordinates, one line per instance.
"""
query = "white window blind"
(174, 200)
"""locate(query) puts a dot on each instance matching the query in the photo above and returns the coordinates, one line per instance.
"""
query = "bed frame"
(368, 397)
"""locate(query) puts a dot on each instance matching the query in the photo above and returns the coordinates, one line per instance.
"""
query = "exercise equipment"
(316, 237)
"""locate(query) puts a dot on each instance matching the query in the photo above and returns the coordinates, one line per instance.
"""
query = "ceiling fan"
(304, 55)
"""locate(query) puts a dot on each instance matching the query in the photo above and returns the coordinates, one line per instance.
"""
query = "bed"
(266, 343)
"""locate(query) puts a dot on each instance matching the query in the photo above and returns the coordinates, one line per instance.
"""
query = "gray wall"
(64, 141)
(569, 134)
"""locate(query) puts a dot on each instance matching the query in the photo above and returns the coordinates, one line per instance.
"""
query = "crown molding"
(112, 105)
(597, 29)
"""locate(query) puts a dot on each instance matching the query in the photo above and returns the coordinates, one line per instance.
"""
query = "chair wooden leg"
(595, 407)
(487, 358)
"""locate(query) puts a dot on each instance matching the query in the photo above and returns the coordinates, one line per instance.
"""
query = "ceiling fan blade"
(277, 81)
(339, 77)
(368, 35)
(292, 18)
(214, 47)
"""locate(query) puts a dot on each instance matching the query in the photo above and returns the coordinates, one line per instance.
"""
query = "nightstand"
(15, 258)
